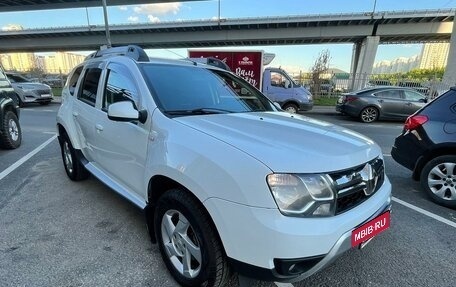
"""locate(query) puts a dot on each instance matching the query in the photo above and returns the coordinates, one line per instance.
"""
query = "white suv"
(228, 182)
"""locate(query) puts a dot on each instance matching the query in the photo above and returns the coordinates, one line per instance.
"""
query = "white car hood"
(31, 86)
(288, 143)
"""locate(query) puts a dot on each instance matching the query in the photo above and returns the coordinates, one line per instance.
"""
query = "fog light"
(323, 210)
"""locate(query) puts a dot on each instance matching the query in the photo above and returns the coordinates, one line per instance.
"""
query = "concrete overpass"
(21, 5)
(365, 30)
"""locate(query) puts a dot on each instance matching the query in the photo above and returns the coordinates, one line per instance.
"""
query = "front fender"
(206, 166)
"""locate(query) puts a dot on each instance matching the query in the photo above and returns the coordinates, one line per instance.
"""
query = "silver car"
(30, 92)
(387, 102)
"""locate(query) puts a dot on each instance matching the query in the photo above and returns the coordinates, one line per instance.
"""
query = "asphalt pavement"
(55, 232)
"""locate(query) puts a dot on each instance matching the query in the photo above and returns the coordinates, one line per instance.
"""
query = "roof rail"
(132, 51)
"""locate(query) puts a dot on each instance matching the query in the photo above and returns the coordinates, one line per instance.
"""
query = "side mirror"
(123, 112)
(423, 100)
(277, 105)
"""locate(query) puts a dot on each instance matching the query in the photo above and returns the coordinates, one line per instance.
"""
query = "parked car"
(376, 103)
(226, 180)
(30, 92)
(427, 146)
(375, 83)
(415, 85)
(10, 129)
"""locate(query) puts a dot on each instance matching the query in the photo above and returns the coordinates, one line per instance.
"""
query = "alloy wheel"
(442, 180)
(369, 115)
(67, 157)
(13, 130)
(181, 244)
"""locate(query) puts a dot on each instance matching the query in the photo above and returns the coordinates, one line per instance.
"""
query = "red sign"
(370, 229)
(246, 64)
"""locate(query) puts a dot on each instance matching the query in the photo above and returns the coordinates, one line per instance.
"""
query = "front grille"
(357, 184)
(43, 92)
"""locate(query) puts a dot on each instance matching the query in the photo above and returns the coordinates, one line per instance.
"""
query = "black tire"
(44, 103)
(73, 166)
(179, 206)
(369, 114)
(291, 108)
(11, 137)
(439, 182)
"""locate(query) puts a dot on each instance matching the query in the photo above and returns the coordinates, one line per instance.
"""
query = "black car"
(387, 102)
(427, 146)
(10, 130)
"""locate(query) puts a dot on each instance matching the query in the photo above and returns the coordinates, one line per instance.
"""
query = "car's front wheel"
(438, 179)
(188, 242)
(12, 134)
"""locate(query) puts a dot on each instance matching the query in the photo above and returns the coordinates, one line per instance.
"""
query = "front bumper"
(38, 96)
(259, 240)
(306, 106)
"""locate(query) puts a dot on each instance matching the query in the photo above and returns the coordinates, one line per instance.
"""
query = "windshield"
(189, 90)
(17, 79)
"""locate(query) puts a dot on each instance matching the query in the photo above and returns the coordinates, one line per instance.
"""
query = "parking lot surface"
(55, 232)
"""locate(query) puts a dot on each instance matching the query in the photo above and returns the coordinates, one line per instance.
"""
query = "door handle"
(99, 127)
(75, 114)
(408, 104)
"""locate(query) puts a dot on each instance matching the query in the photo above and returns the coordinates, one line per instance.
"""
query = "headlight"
(303, 195)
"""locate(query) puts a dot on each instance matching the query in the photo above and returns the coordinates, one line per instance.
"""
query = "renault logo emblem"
(370, 178)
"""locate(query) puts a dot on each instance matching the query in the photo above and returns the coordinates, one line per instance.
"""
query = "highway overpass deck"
(391, 27)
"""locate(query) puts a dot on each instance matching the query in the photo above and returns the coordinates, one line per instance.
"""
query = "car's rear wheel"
(291, 108)
(438, 179)
(73, 167)
(11, 137)
(369, 115)
(188, 243)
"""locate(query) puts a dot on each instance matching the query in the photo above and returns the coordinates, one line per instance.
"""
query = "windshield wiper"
(199, 111)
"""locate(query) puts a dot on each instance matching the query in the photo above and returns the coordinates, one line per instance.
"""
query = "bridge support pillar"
(449, 77)
(363, 61)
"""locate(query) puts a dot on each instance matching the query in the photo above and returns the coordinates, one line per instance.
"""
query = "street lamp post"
(108, 35)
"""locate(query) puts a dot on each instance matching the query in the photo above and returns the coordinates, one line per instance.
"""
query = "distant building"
(434, 55)
(21, 62)
(60, 62)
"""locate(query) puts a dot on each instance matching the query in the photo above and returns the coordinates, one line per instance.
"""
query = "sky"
(292, 58)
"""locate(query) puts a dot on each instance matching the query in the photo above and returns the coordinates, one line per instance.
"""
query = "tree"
(320, 67)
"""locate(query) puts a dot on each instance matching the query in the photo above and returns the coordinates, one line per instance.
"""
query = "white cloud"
(123, 8)
(133, 19)
(153, 19)
(158, 9)
(12, 27)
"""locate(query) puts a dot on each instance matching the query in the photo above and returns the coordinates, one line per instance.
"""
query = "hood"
(288, 143)
(30, 86)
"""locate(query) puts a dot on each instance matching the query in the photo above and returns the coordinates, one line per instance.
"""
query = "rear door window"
(88, 91)
(390, 94)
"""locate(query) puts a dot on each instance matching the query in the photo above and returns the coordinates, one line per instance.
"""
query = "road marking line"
(50, 133)
(283, 284)
(425, 212)
(25, 158)
(385, 154)
(27, 109)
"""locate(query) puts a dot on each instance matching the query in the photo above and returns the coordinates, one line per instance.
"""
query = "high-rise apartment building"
(60, 62)
(434, 55)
